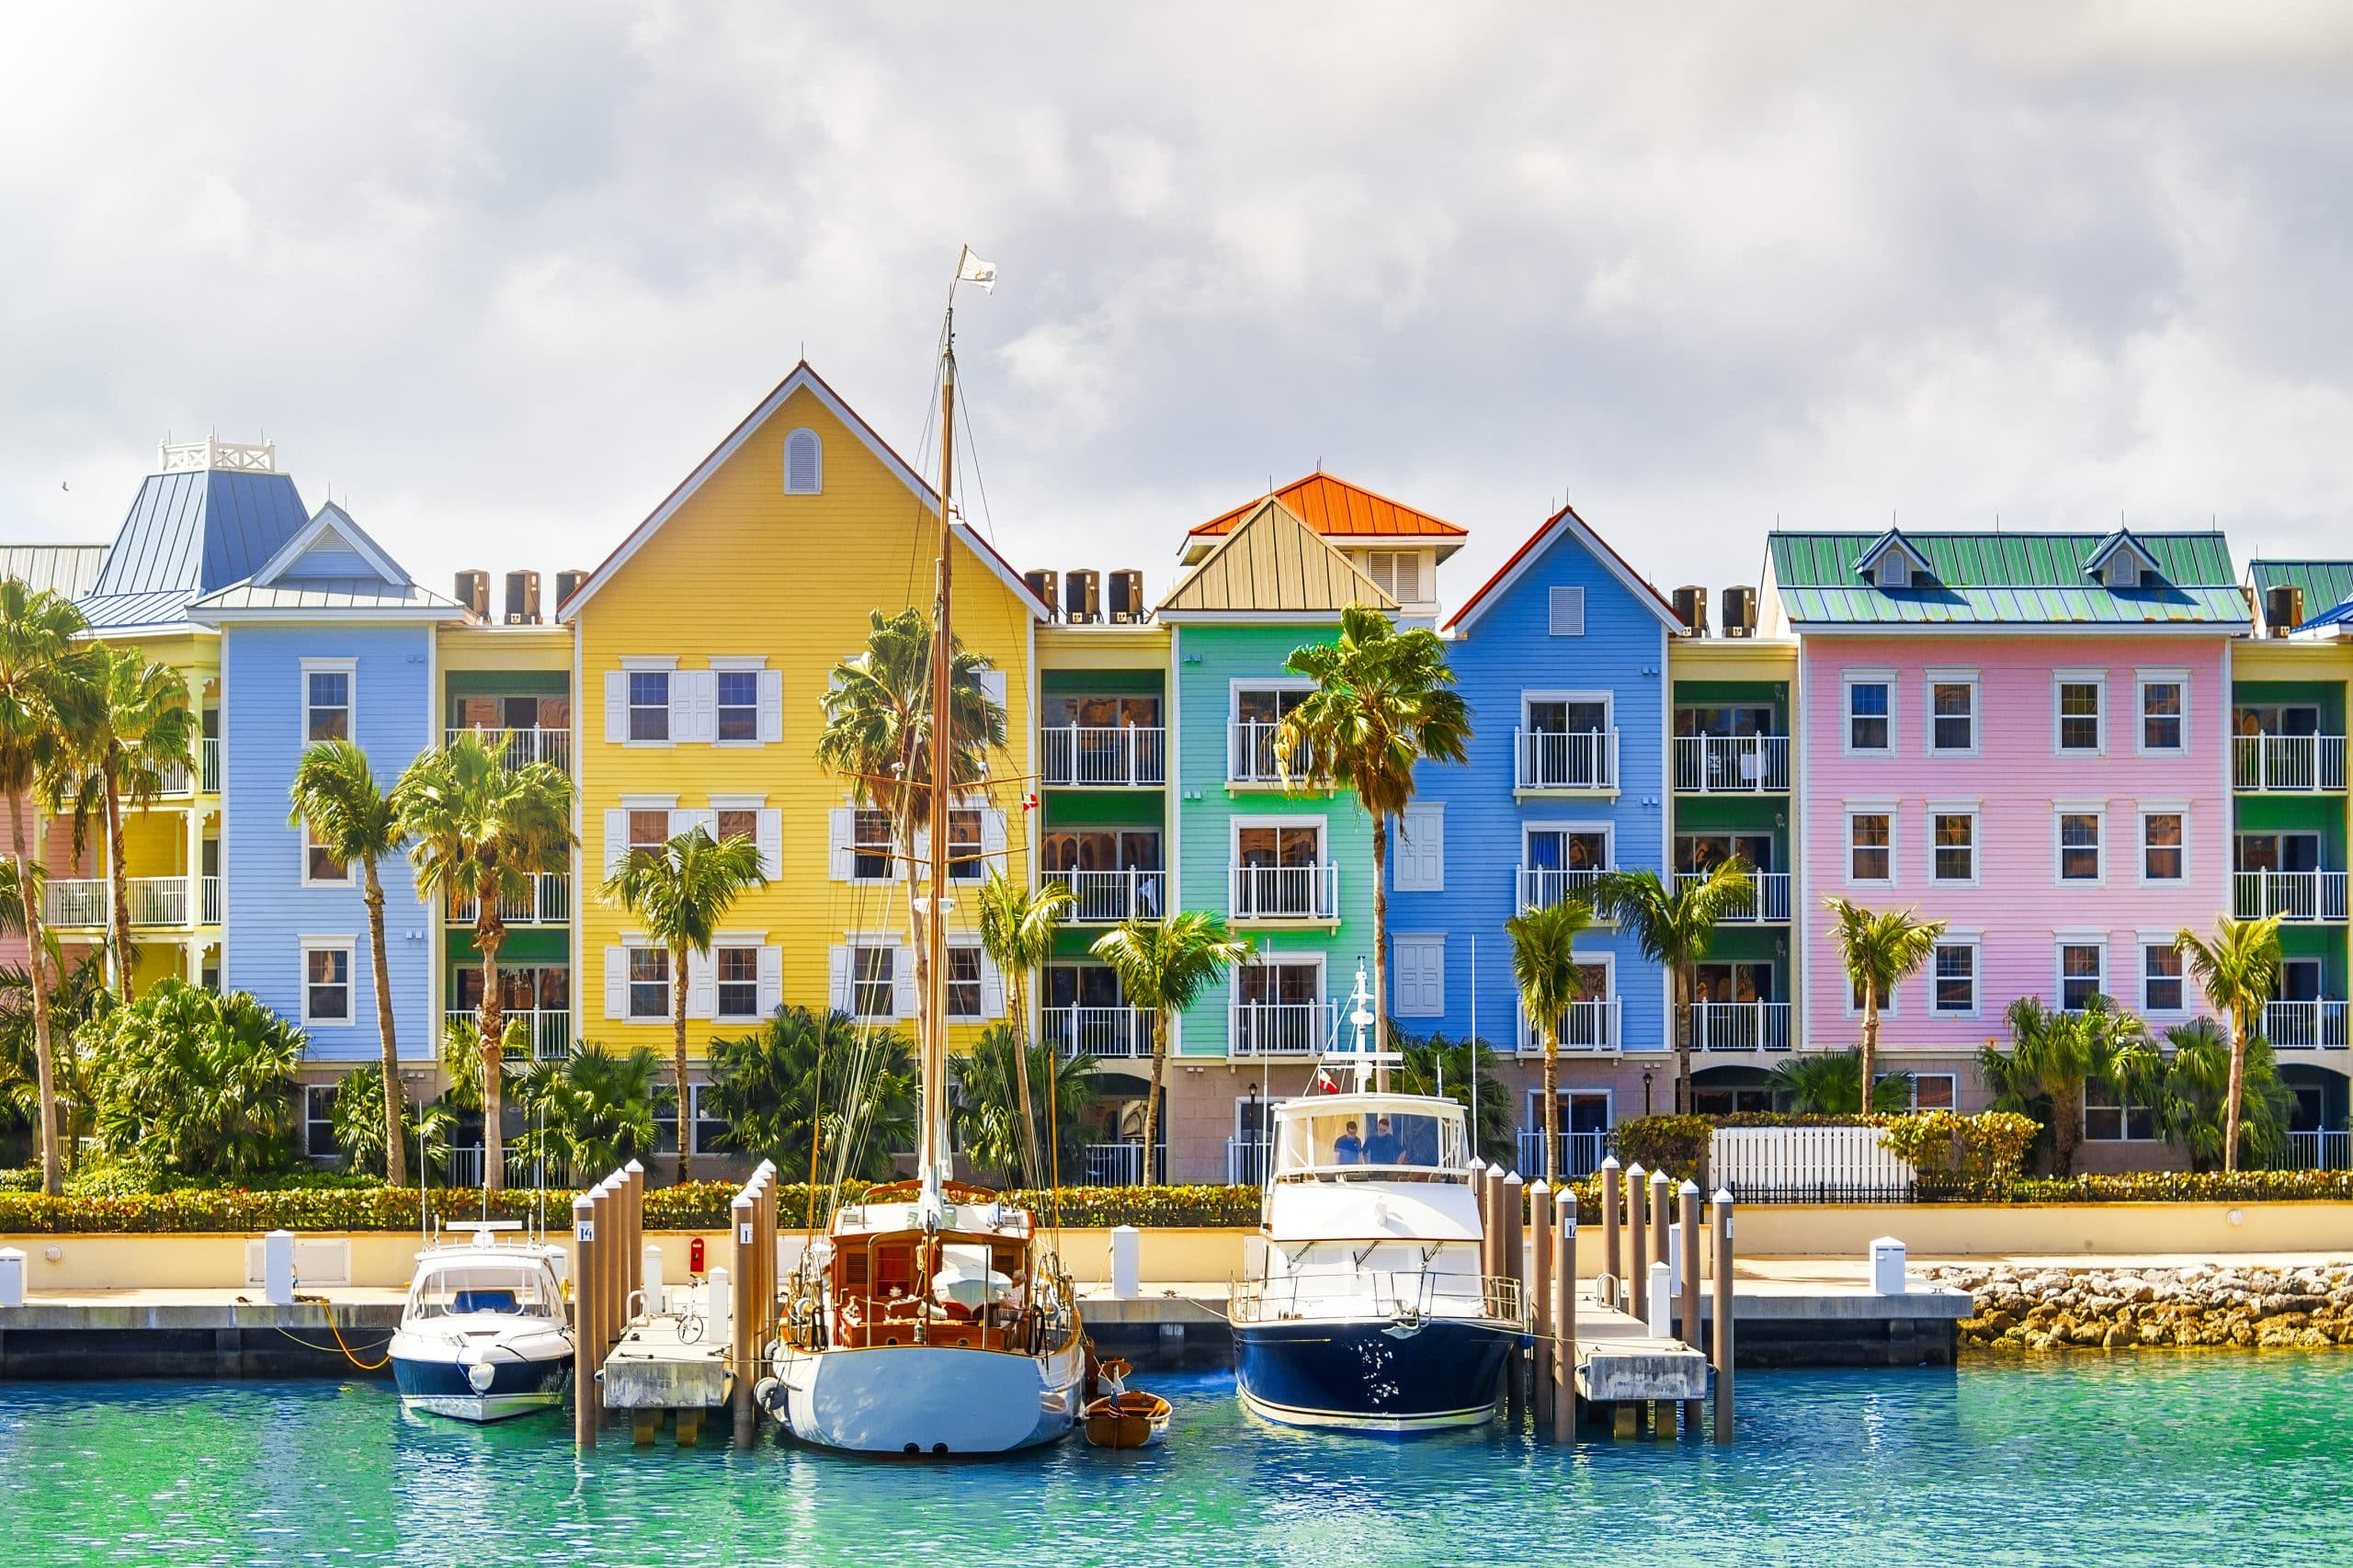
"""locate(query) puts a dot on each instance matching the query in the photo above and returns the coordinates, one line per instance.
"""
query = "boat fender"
(768, 1393)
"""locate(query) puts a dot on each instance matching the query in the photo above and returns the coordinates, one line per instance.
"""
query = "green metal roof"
(2011, 579)
(2326, 583)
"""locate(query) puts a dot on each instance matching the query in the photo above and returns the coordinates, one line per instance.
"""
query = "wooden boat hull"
(924, 1399)
(1132, 1420)
(1357, 1373)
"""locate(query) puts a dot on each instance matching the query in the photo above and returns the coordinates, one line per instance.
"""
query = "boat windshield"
(462, 1289)
(1362, 1142)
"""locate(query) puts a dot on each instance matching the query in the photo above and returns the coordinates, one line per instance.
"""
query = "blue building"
(1563, 657)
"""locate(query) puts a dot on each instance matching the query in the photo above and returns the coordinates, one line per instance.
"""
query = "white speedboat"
(484, 1334)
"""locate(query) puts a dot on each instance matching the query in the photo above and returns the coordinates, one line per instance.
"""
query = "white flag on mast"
(970, 268)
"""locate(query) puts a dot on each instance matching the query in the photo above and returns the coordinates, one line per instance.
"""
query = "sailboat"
(932, 1318)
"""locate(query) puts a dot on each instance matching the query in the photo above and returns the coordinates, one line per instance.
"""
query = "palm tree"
(682, 891)
(2238, 968)
(1017, 927)
(1827, 1083)
(141, 731)
(997, 1113)
(2053, 1056)
(806, 1083)
(335, 796)
(1463, 1071)
(187, 1082)
(591, 1110)
(480, 833)
(1544, 967)
(1878, 948)
(2189, 1088)
(1674, 923)
(44, 701)
(77, 998)
(1384, 700)
(1164, 966)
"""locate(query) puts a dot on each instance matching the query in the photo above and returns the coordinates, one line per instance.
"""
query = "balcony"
(1732, 765)
(1100, 1032)
(1304, 894)
(1580, 1154)
(2304, 1026)
(88, 902)
(523, 746)
(2326, 1149)
(1250, 755)
(1540, 887)
(2294, 896)
(1588, 1027)
(1739, 1026)
(1768, 904)
(209, 890)
(1129, 757)
(1105, 898)
(1246, 1160)
(548, 1030)
(1584, 762)
(2286, 764)
(1112, 1164)
(207, 757)
(548, 903)
(1280, 1028)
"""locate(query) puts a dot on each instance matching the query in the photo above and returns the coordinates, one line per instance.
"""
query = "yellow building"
(702, 648)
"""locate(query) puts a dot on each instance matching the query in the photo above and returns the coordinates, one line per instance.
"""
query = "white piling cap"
(633, 1169)
(1538, 1185)
(1510, 1177)
(1657, 1177)
(1724, 1195)
(1637, 1169)
(1610, 1161)
(1689, 1186)
(1495, 1171)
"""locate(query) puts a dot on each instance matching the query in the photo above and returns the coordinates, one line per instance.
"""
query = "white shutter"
(993, 832)
(919, 854)
(992, 989)
(694, 706)
(1568, 612)
(769, 837)
(772, 979)
(686, 819)
(615, 707)
(1418, 857)
(702, 985)
(837, 978)
(615, 840)
(992, 684)
(617, 982)
(771, 707)
(903, 985)
(840, 859)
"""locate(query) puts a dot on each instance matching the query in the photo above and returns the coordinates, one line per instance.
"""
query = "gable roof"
(1273, 564)
(804, 377)
(189, 533)
(332, 525)
(67, 569)
(1891, 540)
(2326, 584)
(384, 591)
(1564, 522)
(1336, 509)
(2122, 538)
(2004, 579)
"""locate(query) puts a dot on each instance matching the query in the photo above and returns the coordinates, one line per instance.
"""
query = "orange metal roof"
(1334, 507)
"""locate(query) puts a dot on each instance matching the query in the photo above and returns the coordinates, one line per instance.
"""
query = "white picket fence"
(1807, 1165)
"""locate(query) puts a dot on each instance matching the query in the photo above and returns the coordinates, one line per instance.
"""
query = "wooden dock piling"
(1540, 1292)
(743, 1278)
(1722, 1263)
(1693, 1335)
(1562, 1288)
(1515, 1259)
(585, 1358)
(1607, 1286)
(1638, 1262)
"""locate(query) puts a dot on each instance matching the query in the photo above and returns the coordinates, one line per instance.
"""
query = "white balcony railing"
(2291, 896)
(1732, 765)
(549, 1029)
(1580, 1154)
(1279, 1028)
(523, 746)
(1250, 754)
(209, 888)
(159, 901)
(548, 903)
(2326, 1149)
(76, 901)
(174, 779)
(1129, 756)
(2261, 763)
(1104, 898)
(1113, 1164)
(89, 901)
(1740, 1026)
(1286, 893)
(2304, 1026)
(1540, 887)
(1246, 1161)
(207, 757)
(1589, 1027)
(1552, 759)
(1769, 903)
(1100, 1031)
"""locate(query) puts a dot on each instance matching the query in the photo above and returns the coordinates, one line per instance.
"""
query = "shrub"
(1988, 1147)
(25, 1180)
(1675, 1144)
(187, 1080)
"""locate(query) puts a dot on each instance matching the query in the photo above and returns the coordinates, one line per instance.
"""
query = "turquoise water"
(2156, 1459)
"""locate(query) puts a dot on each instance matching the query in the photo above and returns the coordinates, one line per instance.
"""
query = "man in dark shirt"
(1345, 1148)
(1380, 1149)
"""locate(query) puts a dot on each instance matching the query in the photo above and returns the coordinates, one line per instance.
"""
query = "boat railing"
(1393, 1294)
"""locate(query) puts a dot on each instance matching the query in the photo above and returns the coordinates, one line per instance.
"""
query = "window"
(739, 981)
(1953, 714)
(1870, 715)
(1870, 849)
(1954, 994)
(2165, 714)
(1567, 612)
(735, 822)
(318, 1121)
(1953, 835)
(2161, 845)
(326, 985)
(319, 864)
(965, 984)
(326, 703)
(708, 1128)
(1278, 871)
(739, 704)
(870, 843)
(1934, 1091)
(1397, 573)
(649, 830)
(1279, 1007)
(2078, 701)
(2161, 987)
(2079, 846)
(649, 705)
(1257, 713)
(1886, 1003)
(2083, 975)
(965, 862)
(871, 973)
(1568, 743)
(649, 982)
(2108, 1118)
(804, 463)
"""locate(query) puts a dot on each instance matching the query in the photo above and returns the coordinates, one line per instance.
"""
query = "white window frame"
(1264, 959)
(2060, 811)
(1848, 679)
(303, 847)
(719, 984)
(784, 476)
(2143, 812)
(1558, 595)
(2143, 680)
(667, 669)
(349, 670)
(631, 944)
(1929, 680)
(979, 981)
(1975, 812)
(2097, 679)
(2124, 1108)
(1530, 696)
(2142, 943)
(900, 953)
(859, 847)
(1892, 811)
(1320, 823)
(1975, 943)
(349, 947)
(1887, 1003)
(1952, 1078)
(1237, 685)
(2060, 942)
(721, 669)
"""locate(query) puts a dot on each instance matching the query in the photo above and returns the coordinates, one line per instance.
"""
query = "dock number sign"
(743, 1234)
(585, 1230)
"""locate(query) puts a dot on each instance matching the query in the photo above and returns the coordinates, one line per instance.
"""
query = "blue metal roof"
(187, 534)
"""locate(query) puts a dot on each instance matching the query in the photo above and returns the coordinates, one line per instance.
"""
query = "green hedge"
(2149, 1187)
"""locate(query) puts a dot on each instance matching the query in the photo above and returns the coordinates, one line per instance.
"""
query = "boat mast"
(933, 1152)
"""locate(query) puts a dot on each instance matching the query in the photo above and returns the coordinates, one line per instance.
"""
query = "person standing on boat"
(1381, 1148)
(1347, 1149)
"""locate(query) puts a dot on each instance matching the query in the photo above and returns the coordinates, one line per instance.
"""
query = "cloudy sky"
(501, 275)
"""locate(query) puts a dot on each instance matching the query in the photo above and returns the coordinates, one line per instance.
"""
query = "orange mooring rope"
(327, 1309)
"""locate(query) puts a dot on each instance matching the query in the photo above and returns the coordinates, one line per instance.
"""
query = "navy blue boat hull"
(1359, 1374)
(517, 1387)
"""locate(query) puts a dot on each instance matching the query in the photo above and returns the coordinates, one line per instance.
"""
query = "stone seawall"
(2090, 1308)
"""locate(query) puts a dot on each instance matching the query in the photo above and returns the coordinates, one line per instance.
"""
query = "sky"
(497, 278)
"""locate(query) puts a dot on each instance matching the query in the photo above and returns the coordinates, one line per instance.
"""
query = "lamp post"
(1646, 1093)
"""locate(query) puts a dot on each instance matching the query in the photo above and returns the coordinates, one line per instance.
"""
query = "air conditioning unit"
(473, 592)
(1082, 596)
(522, 598)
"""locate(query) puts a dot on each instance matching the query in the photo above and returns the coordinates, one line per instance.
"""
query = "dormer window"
(804, 463)
(1397, 573)
(2120, 562)
(1893, 561)
(1893, 571)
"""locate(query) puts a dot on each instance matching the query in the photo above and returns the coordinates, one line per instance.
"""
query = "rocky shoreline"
(2090, 1308)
